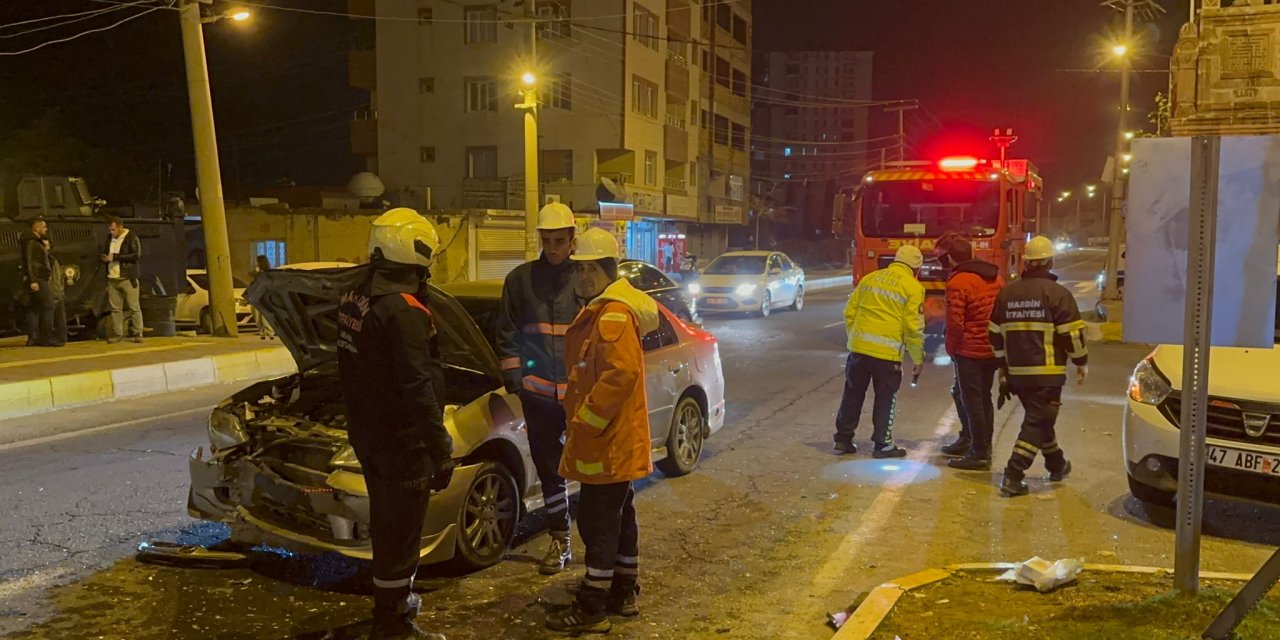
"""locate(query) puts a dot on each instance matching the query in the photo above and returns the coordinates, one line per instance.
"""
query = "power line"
(47, 18)
(79, 35)
(91, 15)
(514, 19)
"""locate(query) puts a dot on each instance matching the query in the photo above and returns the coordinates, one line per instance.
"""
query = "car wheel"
(798, 303)
(487, 519)
(766, 305)
(685, 439)
(206, 321)
(1158, 503)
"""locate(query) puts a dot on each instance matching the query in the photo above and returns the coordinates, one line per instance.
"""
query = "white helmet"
(596, 244)
(555, 216)
(404, 236)
(1039, 248)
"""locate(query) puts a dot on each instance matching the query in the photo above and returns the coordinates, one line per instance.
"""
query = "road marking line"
(32, 581)
(90, 356)
(106, 427)
(835, 571)
(834, 324)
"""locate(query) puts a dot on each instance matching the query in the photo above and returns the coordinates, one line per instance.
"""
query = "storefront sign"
(681, 207)
(646, 201)
(728, 214)
(616, 211)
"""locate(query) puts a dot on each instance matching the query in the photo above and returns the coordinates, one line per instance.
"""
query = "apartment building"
(649, 95)
(811, 132)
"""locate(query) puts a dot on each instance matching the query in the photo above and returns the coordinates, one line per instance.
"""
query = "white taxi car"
(753, 281)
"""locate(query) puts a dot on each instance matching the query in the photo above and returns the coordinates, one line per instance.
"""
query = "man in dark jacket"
(538, 306)
(37, 270)
(1035, 328)
(394, 391)
(971, 292)
(120, 255)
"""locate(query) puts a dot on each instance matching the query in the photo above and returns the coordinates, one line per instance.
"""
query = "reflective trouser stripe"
(1052, 447)
(1024, 449)
(392, 584)
(556, 503)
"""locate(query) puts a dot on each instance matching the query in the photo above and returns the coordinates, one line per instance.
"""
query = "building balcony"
(362, 69)
(675, 140)
(677, 79)
(675, 185)
(364, 134)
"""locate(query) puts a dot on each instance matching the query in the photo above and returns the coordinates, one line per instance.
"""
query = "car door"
(791, 274)
(777, 281)
(666, 372)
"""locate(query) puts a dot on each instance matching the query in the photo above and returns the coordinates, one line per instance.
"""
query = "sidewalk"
(38, 379)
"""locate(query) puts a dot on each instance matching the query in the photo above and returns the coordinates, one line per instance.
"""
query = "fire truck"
(993, 203)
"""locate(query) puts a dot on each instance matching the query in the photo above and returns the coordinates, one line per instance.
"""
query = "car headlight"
(226, 430)
(745, 289)
(1148, 385)
(695, 288)
(345, 458)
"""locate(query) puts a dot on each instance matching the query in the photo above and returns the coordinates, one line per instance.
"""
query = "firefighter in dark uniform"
(538, 305)
(392, 384)
(1035, 328)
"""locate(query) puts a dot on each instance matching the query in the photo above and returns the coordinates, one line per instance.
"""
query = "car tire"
(488, 517)
(684, 439)
(206, 321)
(1158, 503)
(766, 305)
(798, 303)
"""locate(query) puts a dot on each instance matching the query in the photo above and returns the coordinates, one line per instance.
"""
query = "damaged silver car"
(280, 471)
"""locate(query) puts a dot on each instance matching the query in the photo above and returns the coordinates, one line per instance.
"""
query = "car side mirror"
(775, 271)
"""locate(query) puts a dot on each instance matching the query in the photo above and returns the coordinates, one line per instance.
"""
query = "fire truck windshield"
(931, 208)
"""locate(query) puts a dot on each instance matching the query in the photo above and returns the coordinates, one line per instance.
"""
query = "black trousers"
(974, 380)
(966, 433)
(607, 522)
(861, 371)
(397, 508)
(40, 317)
(545, 420)
(1040, 405)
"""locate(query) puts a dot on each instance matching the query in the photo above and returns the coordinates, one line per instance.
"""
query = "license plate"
(717, 301)
(1262, 463)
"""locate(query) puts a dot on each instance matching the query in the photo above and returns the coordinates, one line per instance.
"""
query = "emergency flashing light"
(958, 163)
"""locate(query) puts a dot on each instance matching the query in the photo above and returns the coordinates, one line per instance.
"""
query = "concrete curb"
(819, 284)
(1103, 331)
(29, 397)
(877, 605)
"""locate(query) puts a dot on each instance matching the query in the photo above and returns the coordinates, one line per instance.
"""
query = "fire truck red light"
(957, 163)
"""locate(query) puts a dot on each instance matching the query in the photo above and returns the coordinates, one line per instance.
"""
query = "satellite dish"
(610, 191)
(366, 185)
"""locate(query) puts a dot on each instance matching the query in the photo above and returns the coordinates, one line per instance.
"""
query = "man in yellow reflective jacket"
(884, 318)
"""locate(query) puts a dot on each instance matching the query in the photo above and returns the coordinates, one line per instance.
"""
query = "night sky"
(282, 100)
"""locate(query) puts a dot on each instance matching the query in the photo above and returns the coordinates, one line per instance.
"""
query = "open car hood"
(302, 307)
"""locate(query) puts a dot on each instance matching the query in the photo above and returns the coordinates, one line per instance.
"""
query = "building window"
(560, 93)
(739, 137)
(424, 15)
(274, 250)
(737, 188)
(739, 29)
(482, 94)
(555, 19)
(556, 165)
(482, 162)
(724, 16)
(480, 24)
(427, 154)
(722, 72)
(651, 168)
(786, 151)
(739, 83)
(644, 97)
(705, 55)
(426, 85)
(721, 130)
(644, 27)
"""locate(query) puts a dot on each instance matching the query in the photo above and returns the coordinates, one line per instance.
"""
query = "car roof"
(746, 253)
(474, 289)
(317, 265)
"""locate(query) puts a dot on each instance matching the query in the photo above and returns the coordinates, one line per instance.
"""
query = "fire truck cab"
(992, 203)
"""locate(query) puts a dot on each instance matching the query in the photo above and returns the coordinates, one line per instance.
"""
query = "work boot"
(585, 615)
(1011, 487)
(396, 622)
(559, 553)
(136, 339)
(845, 447)
(622, 599)
(1061, 474)
(888, 451)
(971, 463)
(958, 449)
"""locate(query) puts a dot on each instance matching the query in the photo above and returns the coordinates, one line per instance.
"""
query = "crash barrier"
(159, 315)
(818, 284)
(27, 397)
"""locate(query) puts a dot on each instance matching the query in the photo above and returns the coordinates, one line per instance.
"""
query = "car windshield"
(736, 266)
(644, 277)
(930, 208)
(202, 281)
(485, 312)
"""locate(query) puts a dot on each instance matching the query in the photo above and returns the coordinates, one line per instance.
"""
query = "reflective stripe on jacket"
(607, 437)
(1035, 328)
(885, 315)
(538, 305)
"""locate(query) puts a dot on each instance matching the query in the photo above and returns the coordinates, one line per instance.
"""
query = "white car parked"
(753, 281)
(193, 302)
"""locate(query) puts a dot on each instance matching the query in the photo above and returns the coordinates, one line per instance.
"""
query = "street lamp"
(529, 106)
(213, 213)
(1120, 50)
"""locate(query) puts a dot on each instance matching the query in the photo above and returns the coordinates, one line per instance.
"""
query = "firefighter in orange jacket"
(607, 445)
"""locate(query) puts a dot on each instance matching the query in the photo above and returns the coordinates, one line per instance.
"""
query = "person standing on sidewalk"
(265, 330)
(121, 253)
(1035, 328)
(58, 291)
(393, 385)
(607, 444)
(538, 305)
(884, 317)
(37, 269)
(971, 292)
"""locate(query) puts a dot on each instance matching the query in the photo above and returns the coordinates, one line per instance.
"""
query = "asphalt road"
(768, 535)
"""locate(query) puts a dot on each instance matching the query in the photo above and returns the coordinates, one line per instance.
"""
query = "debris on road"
(1045, 576)
(189, 556)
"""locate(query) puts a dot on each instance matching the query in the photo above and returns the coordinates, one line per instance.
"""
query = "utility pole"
(530, 108)
(1111, 292)
(213, 214)
(1003, 141)
(902, 127)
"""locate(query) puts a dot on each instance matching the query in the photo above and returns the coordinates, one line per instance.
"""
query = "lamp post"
(1115, 229)
(213, 214)
(529, 106)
